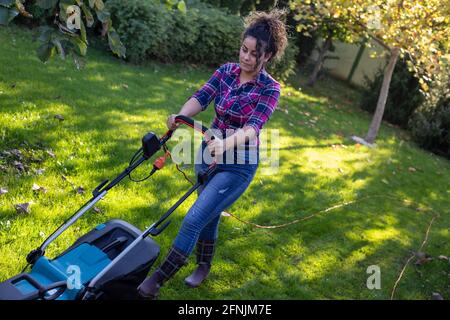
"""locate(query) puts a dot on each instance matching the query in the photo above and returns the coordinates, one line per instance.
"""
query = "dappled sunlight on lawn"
(106, 109)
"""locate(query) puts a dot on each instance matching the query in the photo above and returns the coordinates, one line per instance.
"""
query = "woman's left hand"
(216, 146)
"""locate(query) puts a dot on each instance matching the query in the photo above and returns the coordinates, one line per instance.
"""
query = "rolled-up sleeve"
(266, 105)
(210, 89)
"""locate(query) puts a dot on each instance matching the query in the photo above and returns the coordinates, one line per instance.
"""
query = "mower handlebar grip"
(191, 123)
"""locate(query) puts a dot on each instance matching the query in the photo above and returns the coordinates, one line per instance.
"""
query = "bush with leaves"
(287, 64)
(203, 35)
(430, 123)
(404, 95)
(143, 27)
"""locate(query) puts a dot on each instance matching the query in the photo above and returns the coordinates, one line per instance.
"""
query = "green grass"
(110, 105)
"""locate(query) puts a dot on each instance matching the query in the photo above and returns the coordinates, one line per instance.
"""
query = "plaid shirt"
(236, 106)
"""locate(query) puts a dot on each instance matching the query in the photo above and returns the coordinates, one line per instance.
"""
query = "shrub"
(205, 35)
(286, 66)
(430, 125)
(143, 28)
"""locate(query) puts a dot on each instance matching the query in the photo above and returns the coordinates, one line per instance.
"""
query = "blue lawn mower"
(112, 259)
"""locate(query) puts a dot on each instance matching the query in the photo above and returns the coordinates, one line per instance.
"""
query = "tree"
(414, 28)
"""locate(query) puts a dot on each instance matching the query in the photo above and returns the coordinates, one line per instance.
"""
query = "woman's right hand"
(171, 122)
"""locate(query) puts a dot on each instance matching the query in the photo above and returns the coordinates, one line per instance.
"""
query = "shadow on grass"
(325, 257)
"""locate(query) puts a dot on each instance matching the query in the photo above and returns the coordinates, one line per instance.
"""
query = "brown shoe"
(205, 254)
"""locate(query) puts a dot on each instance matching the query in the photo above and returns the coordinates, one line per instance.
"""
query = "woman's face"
(248, 54)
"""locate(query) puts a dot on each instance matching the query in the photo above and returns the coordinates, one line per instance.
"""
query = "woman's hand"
(216, 147)
(171, 122)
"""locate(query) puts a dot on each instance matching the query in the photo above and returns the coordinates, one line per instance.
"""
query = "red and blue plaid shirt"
(250, 104)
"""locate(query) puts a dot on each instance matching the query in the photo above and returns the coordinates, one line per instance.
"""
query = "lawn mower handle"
(191, 123)
(151, 144)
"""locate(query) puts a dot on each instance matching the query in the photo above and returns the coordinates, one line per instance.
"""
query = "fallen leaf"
(19, 165)
(38, 188)
(225, 214)
(50, 153)
(16, 153)
(97, 210)
(3, 191)
(412, 169)
(59, 117)
(385, 181)
(80, 190)
(340, 170)
(442, 257)
(422, 258)
(125, 85)
(23, 207)
(436, 296)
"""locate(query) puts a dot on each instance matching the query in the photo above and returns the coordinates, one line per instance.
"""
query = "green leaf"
(45, 33)
(115, 44)
(88, 16)
(7, 3)
(46, 4)
(80, 44)
(103, 15)
(181, 6)
(99, 5)
(59, 48)
(6, 15)
(83, 32)
(45, 51)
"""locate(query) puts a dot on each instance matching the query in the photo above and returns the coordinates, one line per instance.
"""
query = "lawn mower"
(110, 261)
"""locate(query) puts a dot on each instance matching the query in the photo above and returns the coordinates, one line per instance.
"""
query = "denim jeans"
(223, 187)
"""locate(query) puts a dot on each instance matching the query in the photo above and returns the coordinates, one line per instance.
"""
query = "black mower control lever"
(34, 255)
(156, 231)
(96, 191)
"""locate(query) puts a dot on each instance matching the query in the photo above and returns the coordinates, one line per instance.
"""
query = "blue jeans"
(224, 186)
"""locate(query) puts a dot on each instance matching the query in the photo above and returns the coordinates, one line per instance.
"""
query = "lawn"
(105, 110)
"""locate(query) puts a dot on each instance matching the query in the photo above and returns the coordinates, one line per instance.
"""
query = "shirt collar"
(260, 77)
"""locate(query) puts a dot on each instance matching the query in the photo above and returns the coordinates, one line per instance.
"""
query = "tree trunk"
(378, 116)
(319, 63)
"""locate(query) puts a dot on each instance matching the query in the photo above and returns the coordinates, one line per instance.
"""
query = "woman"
(245, 96)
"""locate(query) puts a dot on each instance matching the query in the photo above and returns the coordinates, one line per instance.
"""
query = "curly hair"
(269, 30)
